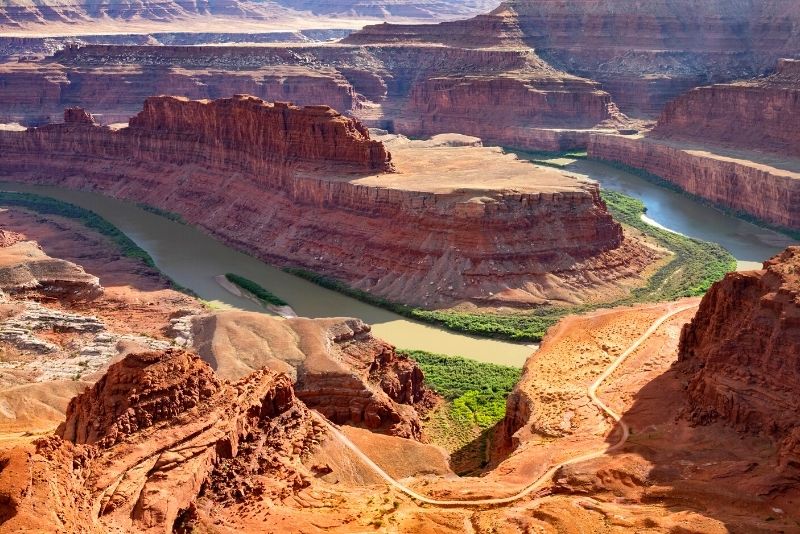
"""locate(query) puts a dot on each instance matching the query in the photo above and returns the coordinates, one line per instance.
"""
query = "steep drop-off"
(158, 429)
(644, 52)
(308, 187)
(741, 354)
(507, 95)
(760, 114)
(337, 366)
(753, 183)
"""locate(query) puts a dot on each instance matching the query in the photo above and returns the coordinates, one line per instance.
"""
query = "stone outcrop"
(419, 89)
(337, 366)
(741, 353)
(436, 232)
(139, 446)
(734, 144)
(752, 183)
(760, 113)
(25, 267)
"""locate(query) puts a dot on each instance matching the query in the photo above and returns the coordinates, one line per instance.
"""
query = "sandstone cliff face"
(508, 95)
(162, 428)
(761, 114)
(35, 93)
(249, 173)
(744, 182)
(337, 366)
(643, 52)
(741, 353)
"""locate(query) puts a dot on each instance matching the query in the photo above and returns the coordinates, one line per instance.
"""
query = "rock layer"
(741, 353)
(436, 232)
(760, 114)
(644, 52)
(746, 182)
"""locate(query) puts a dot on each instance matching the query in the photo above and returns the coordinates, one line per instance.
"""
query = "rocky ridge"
(140, 445)
(740, 354)
(450, 232)
(336, 365)
(764, 110)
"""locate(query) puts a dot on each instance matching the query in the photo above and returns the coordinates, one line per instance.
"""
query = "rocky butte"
(735, 144)
(428, 225)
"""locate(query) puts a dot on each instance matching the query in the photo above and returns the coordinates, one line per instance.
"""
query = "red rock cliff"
(765, 188)
(741, 353)
(253, 173)
(762, 113)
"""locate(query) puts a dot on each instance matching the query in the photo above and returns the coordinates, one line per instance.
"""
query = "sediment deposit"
(741, 354)
(418, 89)
(436, 231)
(759, 114)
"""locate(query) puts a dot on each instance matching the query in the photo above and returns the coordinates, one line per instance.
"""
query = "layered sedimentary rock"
(38, 92)
(308, 187)
(24, 266)
(139, 446)
(734, 144)
(337, 366)
(757, 184)
(643, 52)
(760, 113)
(508, 95)
(741, 353)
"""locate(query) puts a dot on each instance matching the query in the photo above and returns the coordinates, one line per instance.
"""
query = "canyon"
(456, 233)
(732, 144)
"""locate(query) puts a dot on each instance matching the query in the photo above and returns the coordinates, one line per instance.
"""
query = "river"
(749, 244)
(193, 259)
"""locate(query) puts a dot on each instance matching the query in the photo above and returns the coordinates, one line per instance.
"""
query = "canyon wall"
(37, 93)
(761, 113)
(442, 239)
(644, 52)
(767, 190)
(507, 95)
(741, 354)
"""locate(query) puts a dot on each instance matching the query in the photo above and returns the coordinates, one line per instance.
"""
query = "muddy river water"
(193, 259)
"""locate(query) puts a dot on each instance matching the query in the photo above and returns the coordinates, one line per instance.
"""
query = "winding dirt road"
(545, 478)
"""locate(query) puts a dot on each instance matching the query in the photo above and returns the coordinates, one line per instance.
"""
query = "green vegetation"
(477, 391)
(171, 215)
(559, 160)
(255, 289)
(694, 266)
(657, 180)
(52, 206)
(475, 396)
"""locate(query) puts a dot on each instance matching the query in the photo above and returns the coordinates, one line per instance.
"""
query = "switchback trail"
(545, 478)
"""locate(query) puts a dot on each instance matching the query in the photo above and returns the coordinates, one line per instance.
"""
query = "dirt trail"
(545, 478)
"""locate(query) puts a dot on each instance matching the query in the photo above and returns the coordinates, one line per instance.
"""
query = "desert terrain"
(403, 266)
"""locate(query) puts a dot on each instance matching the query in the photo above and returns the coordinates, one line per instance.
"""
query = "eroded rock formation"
(644, 52)
(760, 113)
(438, 231)
(757, 184)
(337, 366)
(138, 447)
(741, 354)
